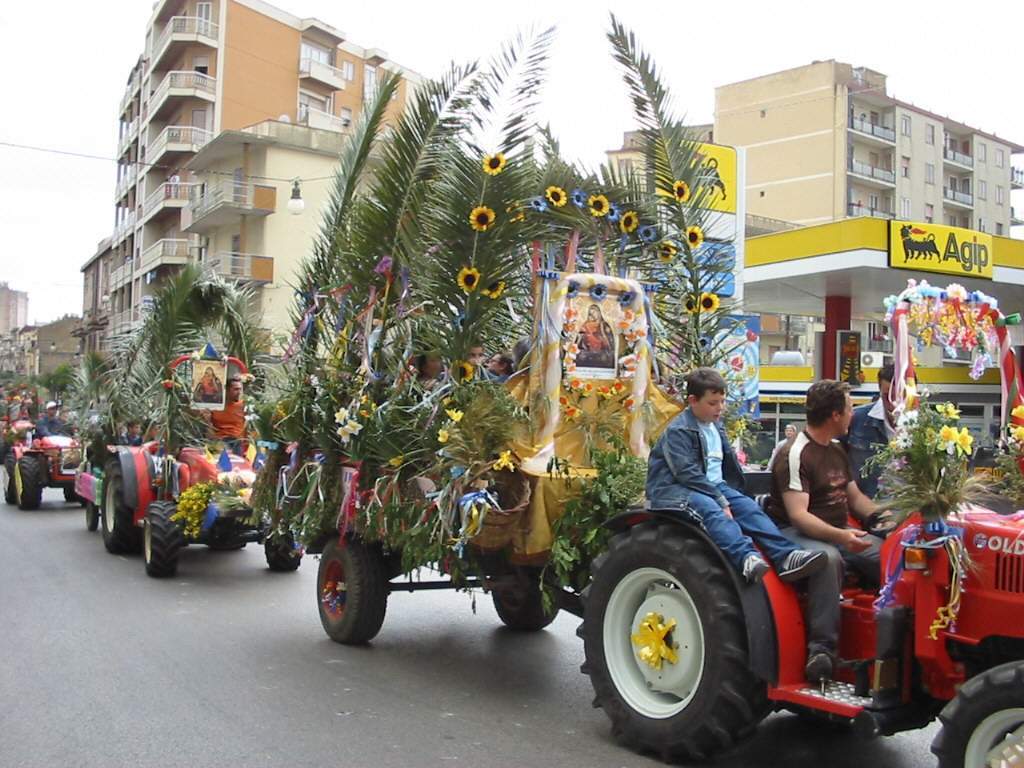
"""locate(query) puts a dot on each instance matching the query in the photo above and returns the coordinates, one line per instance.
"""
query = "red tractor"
(685, 658)
(139, 489)
(42, 462)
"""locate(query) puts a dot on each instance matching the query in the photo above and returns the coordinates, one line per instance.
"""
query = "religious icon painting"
(208, 384)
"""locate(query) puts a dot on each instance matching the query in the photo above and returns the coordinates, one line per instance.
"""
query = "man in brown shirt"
(813, 495)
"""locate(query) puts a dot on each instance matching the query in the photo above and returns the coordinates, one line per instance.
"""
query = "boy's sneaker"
(818, 667)
(754, 568)
(801, 563)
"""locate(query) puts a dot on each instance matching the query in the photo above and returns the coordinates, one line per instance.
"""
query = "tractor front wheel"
(92, 516)
(666, 645)
(352, 591)
(162, 539)
(31, 479)
(983, 726)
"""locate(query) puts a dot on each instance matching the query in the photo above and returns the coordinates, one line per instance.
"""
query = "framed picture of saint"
(598, 344)
(208, 384)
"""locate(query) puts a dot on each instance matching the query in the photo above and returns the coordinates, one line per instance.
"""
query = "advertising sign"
(938, 248)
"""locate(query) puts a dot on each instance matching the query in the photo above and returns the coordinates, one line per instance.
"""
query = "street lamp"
(296, 205)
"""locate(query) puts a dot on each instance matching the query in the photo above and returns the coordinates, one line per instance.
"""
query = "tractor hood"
(985, 530)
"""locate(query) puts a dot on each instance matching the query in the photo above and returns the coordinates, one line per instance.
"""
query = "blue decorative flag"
(261, 459)
(224, 462)
(210, 353)
(212, 513)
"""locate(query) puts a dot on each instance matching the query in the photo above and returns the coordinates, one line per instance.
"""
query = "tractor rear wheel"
(31, 479)
(10, 491)
(352, 591)
(666, 645)
(983, 726)
(120, 536)
(162, 539)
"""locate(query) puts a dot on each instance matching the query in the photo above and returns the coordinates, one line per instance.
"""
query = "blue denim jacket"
(678, 466)
(866, 437)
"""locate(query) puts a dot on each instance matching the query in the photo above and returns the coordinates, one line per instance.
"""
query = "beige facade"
(13, 309)
(207, 68)
(240, 215)
(96, 298)
(56, 345)
(826, 142)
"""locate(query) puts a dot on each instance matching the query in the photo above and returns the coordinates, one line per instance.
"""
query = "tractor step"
(833, 696)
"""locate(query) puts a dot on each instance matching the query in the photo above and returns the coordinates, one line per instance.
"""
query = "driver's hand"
(854, 540)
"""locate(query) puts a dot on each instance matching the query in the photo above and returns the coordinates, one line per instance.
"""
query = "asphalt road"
(227, 665)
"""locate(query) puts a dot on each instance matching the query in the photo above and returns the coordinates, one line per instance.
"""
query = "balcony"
(243, 267)
(958, 159)
(125, 228)
(168, 196)
(325, 121)
(178, 139)
(185, 85)
(853, 209)
(123, 322)
(1015, 220)
(130, 134)
(131, 90)
(181, 31)
(872, 174)
(127, 181)
(166, 252)
(224, 201)
(325, 74)
(878, 133)
(120, 276)
(1016, 178)
(958, 199)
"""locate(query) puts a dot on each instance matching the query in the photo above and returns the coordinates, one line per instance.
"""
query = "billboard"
(938, 248)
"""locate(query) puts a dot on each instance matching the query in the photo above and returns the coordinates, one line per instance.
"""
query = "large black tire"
(162, 540)
(70, 496)
(120, 536)
(282, 554)
(352, 591)
(988, 708)
(92, 516)
(10, 491)
(32, 473)
(522, 608)
(704, 701)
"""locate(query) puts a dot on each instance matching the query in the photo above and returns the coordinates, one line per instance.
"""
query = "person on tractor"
(812, 498)
(229, 423)
(693, 469)
(51, 423)
(872, 427)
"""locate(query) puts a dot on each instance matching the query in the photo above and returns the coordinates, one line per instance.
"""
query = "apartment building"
(827, 141)
(96, 298)
(207, 68)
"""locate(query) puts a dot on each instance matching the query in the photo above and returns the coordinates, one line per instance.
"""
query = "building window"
(999, 158)
(981, 225)
(929, 173)
(346, 116)
(625, 167)
(999, 228)
(965, 222)
(201, 64)
(348, 70)
(981, 152)
(316, 53)
(905, 167)
(309, 101)
(929, 213)
(929, 133)
(1000, 195)
(369, 82)
(905, 125)
(950, 220)
(905, 207)
(982, 189)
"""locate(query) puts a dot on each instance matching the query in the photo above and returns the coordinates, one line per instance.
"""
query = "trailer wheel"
(282, 553)
(30, 481)
(120, 536)
(666, 646)
(10, 491)
(162, 539)
(352, 591)
(92, 516)
(983, 727)
(522, 608)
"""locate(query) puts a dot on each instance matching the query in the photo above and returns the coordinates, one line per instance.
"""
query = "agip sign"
(937, 248)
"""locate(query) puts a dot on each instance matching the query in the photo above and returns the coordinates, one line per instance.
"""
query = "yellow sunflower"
(481, 218)
(629, 222)
(556, 196)
(682, 191)
(463, 371)
(694, 236)
(598, 205)
(494, 164)
(692, 305)
(709, 302)
(468, 279)
(494, 290)
(667, 251)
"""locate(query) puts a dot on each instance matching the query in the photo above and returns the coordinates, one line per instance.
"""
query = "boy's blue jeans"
(735, 536)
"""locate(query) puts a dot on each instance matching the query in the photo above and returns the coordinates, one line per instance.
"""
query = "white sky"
(64, 64)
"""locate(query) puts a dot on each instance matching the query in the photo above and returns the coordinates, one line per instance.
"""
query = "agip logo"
(937, 248)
